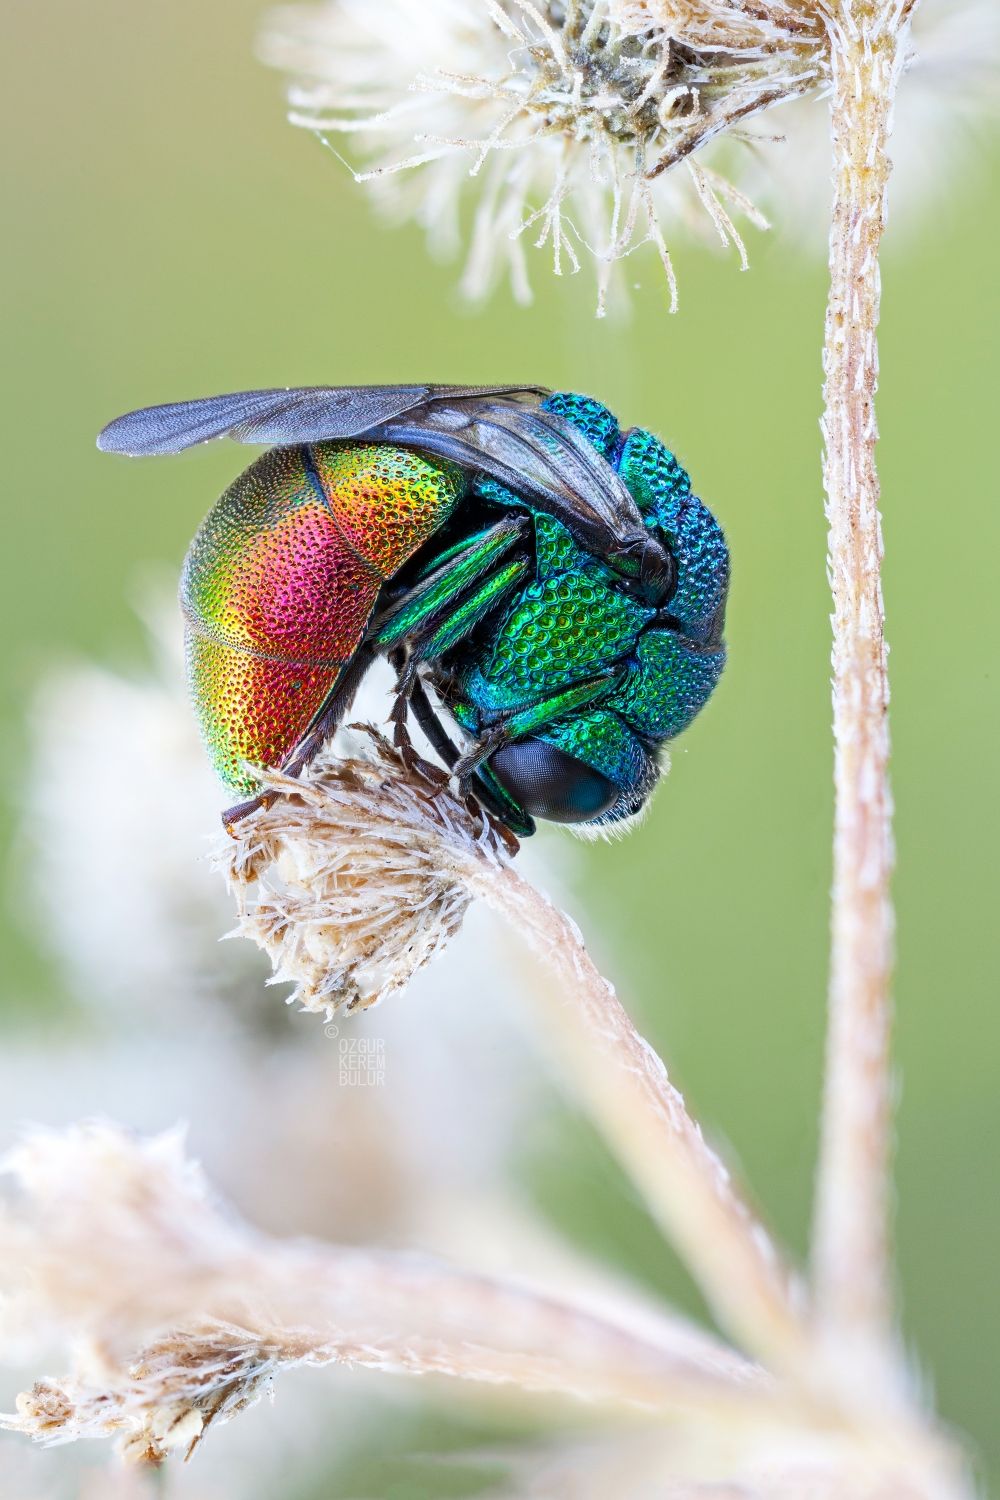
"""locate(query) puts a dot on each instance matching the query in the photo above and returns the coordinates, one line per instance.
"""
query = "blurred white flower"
(560, 122)
(27, 1474)
(567, 115)
(120, 809)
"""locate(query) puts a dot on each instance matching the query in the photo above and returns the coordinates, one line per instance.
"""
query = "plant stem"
(624, 1085)
(851, 1239)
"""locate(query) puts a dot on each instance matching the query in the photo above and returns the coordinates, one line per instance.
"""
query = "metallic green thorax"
(639, 674)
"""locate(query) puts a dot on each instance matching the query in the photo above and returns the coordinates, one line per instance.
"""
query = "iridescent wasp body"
(548, 577)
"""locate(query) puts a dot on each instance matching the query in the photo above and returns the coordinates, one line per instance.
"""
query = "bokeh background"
(167, 234)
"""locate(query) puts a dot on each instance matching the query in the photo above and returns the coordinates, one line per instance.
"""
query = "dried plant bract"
(352, 878)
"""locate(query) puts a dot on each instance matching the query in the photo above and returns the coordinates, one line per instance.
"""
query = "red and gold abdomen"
(280, 582)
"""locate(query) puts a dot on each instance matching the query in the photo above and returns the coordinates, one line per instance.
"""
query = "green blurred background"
(166, 234)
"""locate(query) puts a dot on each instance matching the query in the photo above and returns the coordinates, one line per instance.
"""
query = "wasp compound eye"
(548, 783)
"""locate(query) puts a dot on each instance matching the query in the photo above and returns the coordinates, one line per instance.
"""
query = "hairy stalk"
(851, 1241)
(625, 1087)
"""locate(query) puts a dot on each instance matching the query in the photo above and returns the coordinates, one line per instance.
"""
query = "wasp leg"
(241, 810)
(437, 593)
(397, 717)
(408, 692)
(427, 718)
(526, 720)
(487, 791)
(491, 739)
(438, 634)
(333, 711)
(441, 635)
(497, 800)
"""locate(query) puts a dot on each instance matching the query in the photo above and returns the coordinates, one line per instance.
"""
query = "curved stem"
(851, 1241)
(643, 1117)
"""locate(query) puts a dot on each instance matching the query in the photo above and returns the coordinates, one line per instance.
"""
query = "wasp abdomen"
(281, 579)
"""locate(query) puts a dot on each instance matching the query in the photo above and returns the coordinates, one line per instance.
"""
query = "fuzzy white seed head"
(588, 129)
(560, 121)
(356, 875)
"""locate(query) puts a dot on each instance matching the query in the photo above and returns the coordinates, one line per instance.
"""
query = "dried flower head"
(568, 114)
(355, 875)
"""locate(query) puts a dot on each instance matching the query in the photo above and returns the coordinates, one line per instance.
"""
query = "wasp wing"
(501, 431)
(533, 452)
(309, 414)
